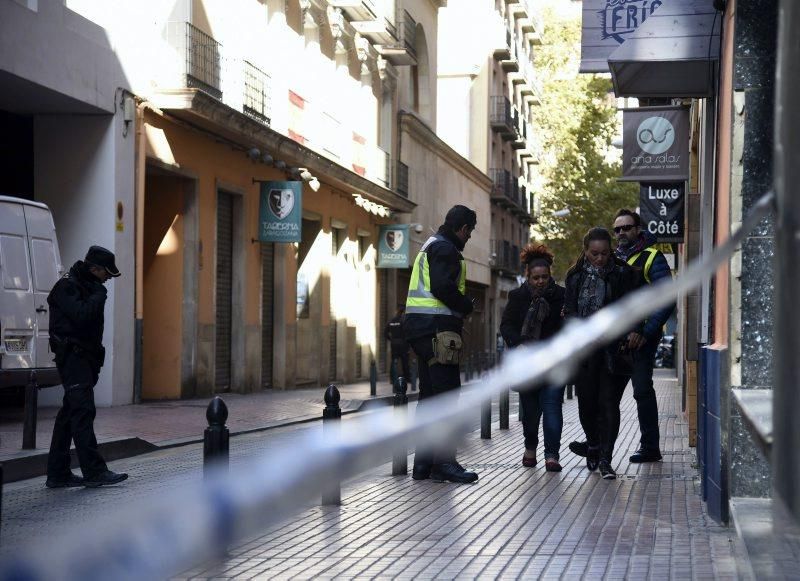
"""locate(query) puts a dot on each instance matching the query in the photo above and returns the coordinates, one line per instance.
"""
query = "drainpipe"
(139, 179)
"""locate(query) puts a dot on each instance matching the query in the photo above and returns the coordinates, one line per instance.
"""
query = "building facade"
(486, 93)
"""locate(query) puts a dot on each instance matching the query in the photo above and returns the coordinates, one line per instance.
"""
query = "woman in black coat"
(594, 281)
(533, 313)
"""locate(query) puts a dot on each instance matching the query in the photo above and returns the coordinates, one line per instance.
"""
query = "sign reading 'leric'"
(280, 212)
(655, 144)
(661, 209)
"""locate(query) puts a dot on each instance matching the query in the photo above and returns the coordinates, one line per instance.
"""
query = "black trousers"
(434, 380)
(645, 394)
(599, 396)
(75, 421)
(400, 356)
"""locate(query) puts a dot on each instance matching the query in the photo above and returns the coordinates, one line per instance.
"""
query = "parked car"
(30, 264)
(665, 352)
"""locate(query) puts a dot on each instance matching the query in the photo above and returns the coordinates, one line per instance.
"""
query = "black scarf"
(538, 311)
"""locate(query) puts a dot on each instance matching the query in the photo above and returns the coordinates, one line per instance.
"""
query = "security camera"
(314, 184)
(305, 174)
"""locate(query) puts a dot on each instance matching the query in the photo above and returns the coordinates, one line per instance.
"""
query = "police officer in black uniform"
(399, 345)
(435, 311)
(76, 338)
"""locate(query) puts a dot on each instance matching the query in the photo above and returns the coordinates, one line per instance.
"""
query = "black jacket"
(659, 270)
(394, 334)
(76, 313)
(519, 300)
(444, 264)
(620, 281)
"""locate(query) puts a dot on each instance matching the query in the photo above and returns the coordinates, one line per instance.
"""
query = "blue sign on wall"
(393, 246)
(280, 212)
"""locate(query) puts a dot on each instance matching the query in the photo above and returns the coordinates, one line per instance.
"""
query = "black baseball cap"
(99, 256)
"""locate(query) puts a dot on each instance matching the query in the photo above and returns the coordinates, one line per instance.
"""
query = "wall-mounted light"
(254, 153)
(267, 159)
(279, 164)
(314, 184)
(418, 228)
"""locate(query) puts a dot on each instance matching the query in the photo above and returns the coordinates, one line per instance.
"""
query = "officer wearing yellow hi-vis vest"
(435, 309)
(636, 247)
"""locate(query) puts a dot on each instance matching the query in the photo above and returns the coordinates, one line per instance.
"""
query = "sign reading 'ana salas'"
(655, 144)
(661, 208)
(393, 247)
(280, 212)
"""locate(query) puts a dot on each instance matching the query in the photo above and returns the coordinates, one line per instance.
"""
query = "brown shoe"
(552, 465)
(528, 461)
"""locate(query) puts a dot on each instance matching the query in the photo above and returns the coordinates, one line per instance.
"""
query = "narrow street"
(514, 523)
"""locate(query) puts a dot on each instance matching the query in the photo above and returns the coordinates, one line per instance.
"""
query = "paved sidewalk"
(169, 423)
(514, 523)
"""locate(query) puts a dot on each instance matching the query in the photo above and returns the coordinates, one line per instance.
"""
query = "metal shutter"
(383, 317)
(222, 377)
(267, 306)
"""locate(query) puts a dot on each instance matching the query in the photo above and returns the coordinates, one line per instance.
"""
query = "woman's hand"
(635, 341)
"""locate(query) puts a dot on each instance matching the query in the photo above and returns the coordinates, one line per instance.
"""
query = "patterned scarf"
(537, 312)
(592, 293)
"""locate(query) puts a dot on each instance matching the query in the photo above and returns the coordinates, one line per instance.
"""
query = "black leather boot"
(422, 466)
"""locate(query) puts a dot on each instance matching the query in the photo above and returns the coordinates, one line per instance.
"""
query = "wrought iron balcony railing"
(500, 116)
(256, 101)
(401, 179)
(202, 57)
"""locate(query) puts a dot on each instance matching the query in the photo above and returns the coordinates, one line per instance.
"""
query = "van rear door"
(16, 296)
(45, 268)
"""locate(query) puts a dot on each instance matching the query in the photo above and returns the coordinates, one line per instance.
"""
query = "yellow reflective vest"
(420, 299)
(648, 263)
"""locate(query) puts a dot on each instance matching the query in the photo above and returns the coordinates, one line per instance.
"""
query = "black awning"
(674, 53)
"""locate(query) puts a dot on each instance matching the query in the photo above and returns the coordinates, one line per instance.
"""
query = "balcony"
(201, 55)
(356, 10)
(503, 50)
(501, 186)
(401, 179)
(401, 49)
(534, 29)
(378, 31)
(504, 256)
(510, 62)
(520, 137)
(500, 117)
(256, 102)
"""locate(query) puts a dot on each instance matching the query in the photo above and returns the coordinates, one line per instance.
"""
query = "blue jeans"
(543, 403)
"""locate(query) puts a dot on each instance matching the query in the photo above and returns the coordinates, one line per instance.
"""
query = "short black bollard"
(569, 391)
(331, 416)
(29, 422)
(400, 458)
(486, 420)
(504, 408)
(216, 437)
(373, 378)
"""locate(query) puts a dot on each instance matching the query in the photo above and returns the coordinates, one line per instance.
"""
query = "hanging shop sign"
(661, 208)
(393, 246)
(280, 212)
(655, 144)
(606, 25)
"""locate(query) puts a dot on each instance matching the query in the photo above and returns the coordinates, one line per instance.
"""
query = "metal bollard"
(504, 410)
(29, 423)
(400, 458)
(373, 379)
(331, 416)
(486, 420)
(216, 437)
(569, 391)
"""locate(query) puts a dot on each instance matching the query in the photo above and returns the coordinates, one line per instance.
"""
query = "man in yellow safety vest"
(435, 309)
(637, 247)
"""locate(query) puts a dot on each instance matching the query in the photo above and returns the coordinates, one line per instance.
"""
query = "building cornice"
(209, 114)
(420, 130)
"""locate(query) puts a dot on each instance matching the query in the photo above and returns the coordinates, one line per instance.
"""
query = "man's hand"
(635, 341)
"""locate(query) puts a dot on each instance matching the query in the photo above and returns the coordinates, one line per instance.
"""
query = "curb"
(27, 466)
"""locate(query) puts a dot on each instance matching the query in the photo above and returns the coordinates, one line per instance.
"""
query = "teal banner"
(280, 212)
(393, 246)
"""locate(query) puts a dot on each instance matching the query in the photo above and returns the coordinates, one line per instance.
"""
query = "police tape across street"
(196, 524)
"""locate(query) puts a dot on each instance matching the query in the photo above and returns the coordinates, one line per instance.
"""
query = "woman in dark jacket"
(594, 281)
(533, 313)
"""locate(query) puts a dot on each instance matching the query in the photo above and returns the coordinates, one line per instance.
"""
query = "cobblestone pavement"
(515, 522)
(170, 422)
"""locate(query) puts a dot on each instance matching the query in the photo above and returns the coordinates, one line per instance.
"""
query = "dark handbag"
(619, 359)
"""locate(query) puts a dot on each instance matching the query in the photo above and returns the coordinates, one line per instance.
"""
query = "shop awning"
(674, 53)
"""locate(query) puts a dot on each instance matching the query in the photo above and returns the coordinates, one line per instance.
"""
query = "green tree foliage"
(576, 123)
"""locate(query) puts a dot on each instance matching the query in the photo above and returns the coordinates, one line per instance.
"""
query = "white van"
(30, 265)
